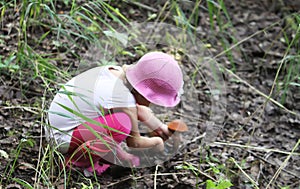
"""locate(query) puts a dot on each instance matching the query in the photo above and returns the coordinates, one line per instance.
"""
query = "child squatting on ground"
(98, 109)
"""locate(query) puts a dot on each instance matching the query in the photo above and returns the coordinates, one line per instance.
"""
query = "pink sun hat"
(158, 77)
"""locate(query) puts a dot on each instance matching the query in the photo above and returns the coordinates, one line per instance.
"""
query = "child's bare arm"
(146, 116)
(135, 140)
(146, 143)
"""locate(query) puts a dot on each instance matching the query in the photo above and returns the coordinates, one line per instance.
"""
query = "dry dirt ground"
(247, 119)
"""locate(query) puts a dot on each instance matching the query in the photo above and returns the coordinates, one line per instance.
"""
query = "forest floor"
(256, 134)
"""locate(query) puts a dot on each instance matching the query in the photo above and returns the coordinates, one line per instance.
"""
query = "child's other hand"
(134, 160)
(128, 158)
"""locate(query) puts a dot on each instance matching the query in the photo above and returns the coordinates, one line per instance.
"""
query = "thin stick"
(237, 77)
(240, 168)
(257, 148)
(283, 165)
(155, 176)
(275, 165)
(260, 93)
(150, 175)
(28, 109)
(143, 6)
(37, 174)
(243, 40)
(281, 63)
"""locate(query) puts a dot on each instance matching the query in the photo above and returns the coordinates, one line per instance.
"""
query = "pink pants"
(89, 141)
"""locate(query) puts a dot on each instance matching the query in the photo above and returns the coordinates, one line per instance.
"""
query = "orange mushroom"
(177, 125)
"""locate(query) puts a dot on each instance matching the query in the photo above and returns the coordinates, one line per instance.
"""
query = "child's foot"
(99, 169)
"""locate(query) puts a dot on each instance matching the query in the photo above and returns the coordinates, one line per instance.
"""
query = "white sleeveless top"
(89, 94)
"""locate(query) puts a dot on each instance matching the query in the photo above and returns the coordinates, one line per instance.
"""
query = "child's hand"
(162, 132)
(146, 116)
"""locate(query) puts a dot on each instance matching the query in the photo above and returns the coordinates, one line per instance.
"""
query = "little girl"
(98, 109)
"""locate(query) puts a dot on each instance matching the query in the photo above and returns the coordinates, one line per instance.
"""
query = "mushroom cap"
(177, 125)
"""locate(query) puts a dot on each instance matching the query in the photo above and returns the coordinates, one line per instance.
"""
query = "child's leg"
(120, 124)
(88, 152)
(90, 143)
(116, 125)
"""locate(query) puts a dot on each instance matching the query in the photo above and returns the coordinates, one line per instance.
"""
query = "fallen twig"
(256, 148)
(28, 109)
(240, 168)
(155, 175)
(143, 6)
(283, 165)
(265, 160)
(144, 176)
